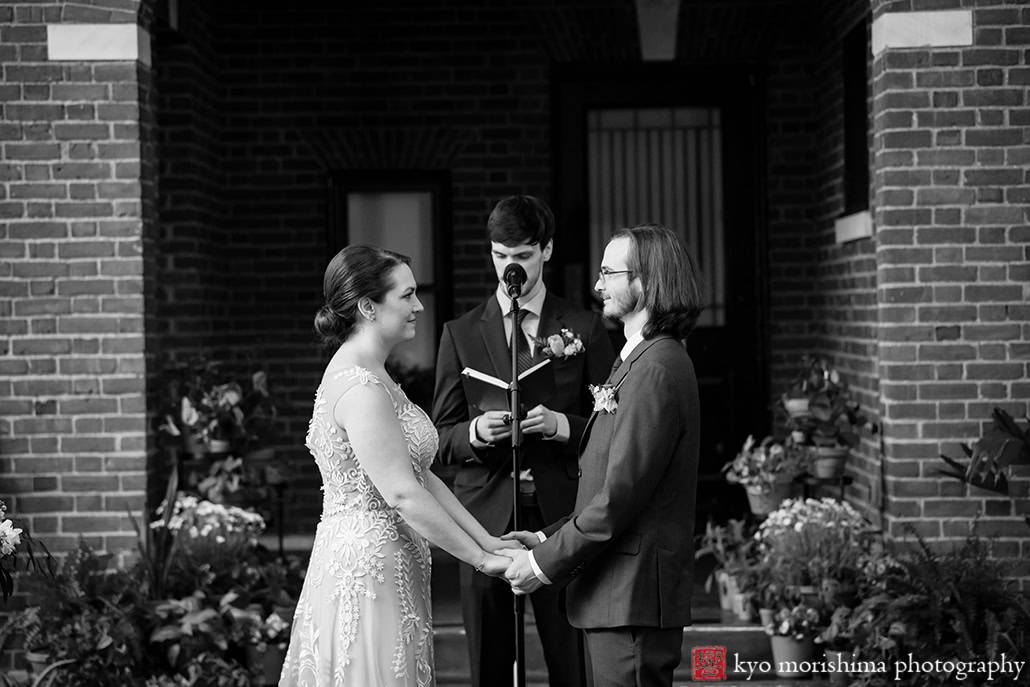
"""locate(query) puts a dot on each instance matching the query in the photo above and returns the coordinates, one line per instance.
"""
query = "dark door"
(660, 143)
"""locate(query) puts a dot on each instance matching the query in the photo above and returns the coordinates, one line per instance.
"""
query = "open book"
(486, 392)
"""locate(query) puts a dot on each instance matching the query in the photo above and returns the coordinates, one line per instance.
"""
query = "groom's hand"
(493, 426)
(520, 573)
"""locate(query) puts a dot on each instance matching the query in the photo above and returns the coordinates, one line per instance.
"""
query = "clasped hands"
(495, 425)
(510, 560)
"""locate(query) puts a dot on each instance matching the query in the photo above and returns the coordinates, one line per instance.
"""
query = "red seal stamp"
(708, 662)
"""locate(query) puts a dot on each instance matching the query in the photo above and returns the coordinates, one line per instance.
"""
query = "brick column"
(951, 191)
(73, 201)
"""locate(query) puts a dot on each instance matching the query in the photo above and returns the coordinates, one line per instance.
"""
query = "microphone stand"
(517, 338)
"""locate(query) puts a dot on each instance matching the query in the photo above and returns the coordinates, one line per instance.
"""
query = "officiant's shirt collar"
(533, 305)
(631, 343)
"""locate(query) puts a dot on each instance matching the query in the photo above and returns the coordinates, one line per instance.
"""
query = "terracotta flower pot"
(789, 654)
(765, 502)
(829, 462)
(835, 659)
(37, 660)
(796, 407)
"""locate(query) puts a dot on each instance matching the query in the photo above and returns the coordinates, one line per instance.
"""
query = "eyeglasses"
(604, 273)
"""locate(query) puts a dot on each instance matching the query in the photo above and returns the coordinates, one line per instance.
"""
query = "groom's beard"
(624, 303)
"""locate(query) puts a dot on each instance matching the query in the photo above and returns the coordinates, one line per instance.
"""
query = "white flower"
(188, 413)
(10, 537)
(604, 398)
(274, 625)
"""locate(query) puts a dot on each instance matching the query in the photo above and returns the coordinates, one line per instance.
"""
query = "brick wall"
(842, 313)
(953, 264)
(304, 93)
(77, 198)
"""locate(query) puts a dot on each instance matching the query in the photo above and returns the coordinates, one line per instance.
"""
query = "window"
(406, 212)
(661, 165)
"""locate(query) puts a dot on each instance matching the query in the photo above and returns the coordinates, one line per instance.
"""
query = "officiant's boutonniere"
(562, 345)
(604, 398)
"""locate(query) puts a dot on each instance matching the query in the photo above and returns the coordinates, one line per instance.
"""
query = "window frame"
(435, 182)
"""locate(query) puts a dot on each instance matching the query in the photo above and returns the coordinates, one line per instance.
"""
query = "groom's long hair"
(672, 291)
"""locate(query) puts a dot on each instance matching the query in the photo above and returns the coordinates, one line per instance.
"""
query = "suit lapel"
(551, 314)
(616, 379)
(491, 327)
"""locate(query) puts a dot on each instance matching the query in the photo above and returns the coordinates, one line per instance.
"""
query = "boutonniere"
(562, 345)
(604, 398)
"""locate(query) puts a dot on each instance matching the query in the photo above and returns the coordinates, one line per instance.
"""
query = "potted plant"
(837, 640)
(956, 605)
(829, 426)
(207, 410)
(268, 638)
(807, 541)
(766, 471)
(792, 638)
(731, 545)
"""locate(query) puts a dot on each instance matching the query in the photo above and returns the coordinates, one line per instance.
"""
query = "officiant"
(521, 232)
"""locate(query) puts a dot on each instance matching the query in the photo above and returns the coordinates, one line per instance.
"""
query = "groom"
(628, 547)
(521, 231)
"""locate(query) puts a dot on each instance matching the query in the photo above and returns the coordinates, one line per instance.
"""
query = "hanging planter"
(828, 462)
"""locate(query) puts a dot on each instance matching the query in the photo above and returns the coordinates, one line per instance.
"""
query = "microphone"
(514, 278)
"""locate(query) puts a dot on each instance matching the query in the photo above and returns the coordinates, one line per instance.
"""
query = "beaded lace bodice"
(345, 485)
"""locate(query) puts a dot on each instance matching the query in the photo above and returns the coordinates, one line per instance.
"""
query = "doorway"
(680, 146)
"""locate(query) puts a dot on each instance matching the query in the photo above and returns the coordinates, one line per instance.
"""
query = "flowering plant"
(604, 398)
(272, 630)
(565, 344)
(202, 519)
(831, 417)
(11, 538)
(799, 621)
(765, 464)
(203, 403)
(813, 539)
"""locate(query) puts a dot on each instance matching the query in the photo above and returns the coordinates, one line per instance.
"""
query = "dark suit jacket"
(483, 481)
(629, 545)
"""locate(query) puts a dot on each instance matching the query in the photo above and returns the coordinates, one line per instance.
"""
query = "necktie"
(615, 366)
(525, 356)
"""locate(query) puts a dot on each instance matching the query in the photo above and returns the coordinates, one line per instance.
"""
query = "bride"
(363, 618)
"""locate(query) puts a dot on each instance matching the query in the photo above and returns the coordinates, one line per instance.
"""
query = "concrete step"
(743, 641)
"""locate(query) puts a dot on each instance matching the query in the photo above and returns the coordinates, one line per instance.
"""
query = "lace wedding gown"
(363, 618)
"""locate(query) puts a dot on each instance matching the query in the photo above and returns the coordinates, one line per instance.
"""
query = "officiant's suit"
(483, 482)
(627, 552)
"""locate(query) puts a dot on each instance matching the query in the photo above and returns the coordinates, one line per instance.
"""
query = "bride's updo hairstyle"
(355, 272)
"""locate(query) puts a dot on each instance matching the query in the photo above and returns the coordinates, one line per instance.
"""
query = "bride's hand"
(526, 539)
(497, 543)
(493, 564)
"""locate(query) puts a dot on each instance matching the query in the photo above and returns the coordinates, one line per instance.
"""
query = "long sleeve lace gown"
(363, 618)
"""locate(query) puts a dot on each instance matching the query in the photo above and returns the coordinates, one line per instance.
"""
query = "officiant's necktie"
(525, 355)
